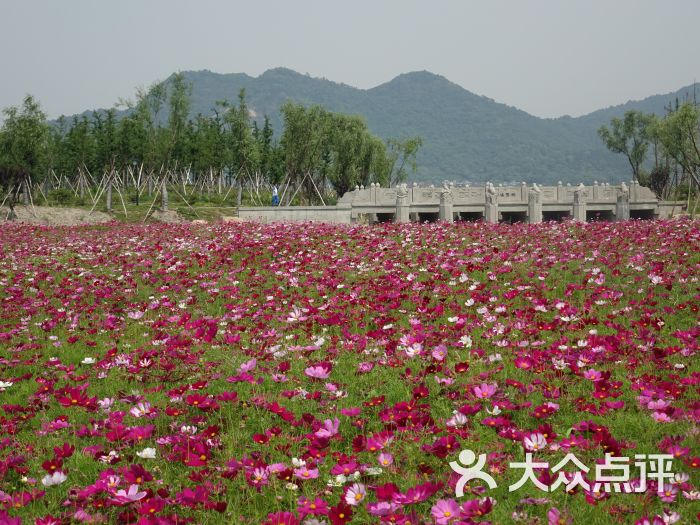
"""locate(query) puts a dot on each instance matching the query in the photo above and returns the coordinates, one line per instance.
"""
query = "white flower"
(338, 481)
(559, 364)
(147, 453)
(109, 457)
(691, 495)
(466, 341)
(56, 478)
(88, 361)
(298, 463)
(5, 384)
(414, 350)
(141, 409)
(106, 403)
(534, 442)
(456, 421)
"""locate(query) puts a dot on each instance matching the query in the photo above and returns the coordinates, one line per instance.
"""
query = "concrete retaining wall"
(340, 214)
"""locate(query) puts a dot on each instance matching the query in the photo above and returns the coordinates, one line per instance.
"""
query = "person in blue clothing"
(275, 197)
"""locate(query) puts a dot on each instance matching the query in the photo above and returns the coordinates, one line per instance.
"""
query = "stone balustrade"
(487, 202)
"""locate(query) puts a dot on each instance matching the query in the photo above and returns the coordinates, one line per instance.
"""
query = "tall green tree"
(147, 115)
(401, 157)
(243, 153)
(304, 143)
(23, 138)
(629, 137)
(679, 134)
(179, 108)
(106, 143)
(80, 145)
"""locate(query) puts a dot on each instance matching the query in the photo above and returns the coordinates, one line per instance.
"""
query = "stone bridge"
(487, 202)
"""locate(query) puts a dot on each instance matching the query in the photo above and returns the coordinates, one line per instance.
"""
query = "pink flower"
(659, 404)
(365, 367)
(127, 496)
(524, 362)
(656, 520)
(319, 371)
(355, 494)
(440, 353)
(485, 390)
(306, 473)
(329, 429)
(661, 417)
(381, 508)
(668, 493)
(385, 459)
(248, 366)
(315, 508)
(445, 511)
(555, 517)
(592, 375)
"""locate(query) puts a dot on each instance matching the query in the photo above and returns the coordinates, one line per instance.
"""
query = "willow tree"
(23, 140)
(304, 140)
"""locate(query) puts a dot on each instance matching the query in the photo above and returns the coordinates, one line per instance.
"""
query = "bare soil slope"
(51, 216)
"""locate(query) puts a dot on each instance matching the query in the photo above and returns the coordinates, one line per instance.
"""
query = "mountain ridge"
(466, 136)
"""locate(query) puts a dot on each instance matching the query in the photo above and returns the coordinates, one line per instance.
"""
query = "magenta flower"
(555, 517)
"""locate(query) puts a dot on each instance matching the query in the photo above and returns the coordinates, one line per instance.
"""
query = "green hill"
(466, 137)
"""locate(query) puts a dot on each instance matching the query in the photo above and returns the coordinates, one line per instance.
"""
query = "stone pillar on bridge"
(622, 208)
(634, 191)
(402, 206)
(446, 203)
(580, 203)
(491, 205)
(534, 205)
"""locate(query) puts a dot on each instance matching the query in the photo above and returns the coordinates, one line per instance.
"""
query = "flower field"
(287, 374)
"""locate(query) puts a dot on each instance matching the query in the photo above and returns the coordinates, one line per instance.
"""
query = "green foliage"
(658, 180)
(23, 138)
(402, 157)
(322, 147)
(629, 137)
(465, 136)
(60, 196)
(679, 135)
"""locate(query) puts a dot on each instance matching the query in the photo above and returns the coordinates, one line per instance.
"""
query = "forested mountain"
(466, 137)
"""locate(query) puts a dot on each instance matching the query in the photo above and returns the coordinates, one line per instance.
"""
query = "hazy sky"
(547, 57)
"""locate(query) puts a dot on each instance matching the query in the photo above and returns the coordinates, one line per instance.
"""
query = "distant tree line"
(672, 140)
(319, 152)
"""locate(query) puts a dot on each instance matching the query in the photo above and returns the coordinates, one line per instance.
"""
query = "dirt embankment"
(51, 216)
(56, 216)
